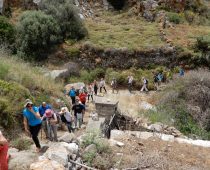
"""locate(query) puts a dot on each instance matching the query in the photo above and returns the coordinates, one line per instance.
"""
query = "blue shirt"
(32, 120)
(181, 72)
(43, 109)
(72, 93)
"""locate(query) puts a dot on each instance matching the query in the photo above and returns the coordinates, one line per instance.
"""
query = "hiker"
(130, 83)
(155, 80)
(95, 87)
(82, 97)
(145, 83)
(3, 152)
(32, 122)
(42, 109)
(181, 72)
(90, 92)
(72, 94)
(160, 78)
(52, 126)
(102, 85)
(114, 85)
(67, 118)
(79, 111)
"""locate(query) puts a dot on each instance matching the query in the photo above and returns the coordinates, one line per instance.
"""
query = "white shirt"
(102, 83)
(130, 79)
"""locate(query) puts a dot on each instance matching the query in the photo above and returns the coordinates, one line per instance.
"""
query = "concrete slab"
(94, 126)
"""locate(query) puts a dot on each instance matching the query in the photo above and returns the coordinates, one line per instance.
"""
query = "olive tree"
(37, 32)
(67, 15)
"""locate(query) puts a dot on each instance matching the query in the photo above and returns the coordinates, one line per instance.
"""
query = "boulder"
(46, 164)
(72, 148)
(113, 142)
(157, 127)
(21, 160)
(57, 152)
(67, 137)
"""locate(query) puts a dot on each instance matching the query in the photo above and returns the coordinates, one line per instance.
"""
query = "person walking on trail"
(82, 97)
(160, 78)
(52, 126)
(102, 85)
(3, 152)
(114, 85)
(181, 72)
(32, 122)
(130, 83)
(79, 111)
(42, 108)
(145, 83)
(67, 118)
(95, 87)
(72, 94)
(90, 92)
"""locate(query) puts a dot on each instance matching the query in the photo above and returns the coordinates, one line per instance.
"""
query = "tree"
(7, 31)
(66, 14)
(36, 34)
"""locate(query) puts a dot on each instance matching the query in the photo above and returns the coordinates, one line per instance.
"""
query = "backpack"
(146, 81)
(58, 118)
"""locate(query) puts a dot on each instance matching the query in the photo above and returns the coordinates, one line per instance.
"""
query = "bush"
(203, 44)
(174, 17)
(65, 13)
(186, 102)
(190, 16)
(7, 31)
(36, 33)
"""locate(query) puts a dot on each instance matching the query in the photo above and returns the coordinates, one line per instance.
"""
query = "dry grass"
(185, 35)
(28, 76)
(120, 30)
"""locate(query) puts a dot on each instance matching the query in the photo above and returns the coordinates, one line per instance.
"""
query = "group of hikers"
(47, 118)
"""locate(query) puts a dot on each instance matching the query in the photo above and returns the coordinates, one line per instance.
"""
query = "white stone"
(157, 127)
(67, 137)
(72, 148)
(146, 106)
(46, 165)
(117, 134)
(42, 158)
(57, 152)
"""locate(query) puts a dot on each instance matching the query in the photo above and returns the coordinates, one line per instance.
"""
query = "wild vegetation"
(184, 104)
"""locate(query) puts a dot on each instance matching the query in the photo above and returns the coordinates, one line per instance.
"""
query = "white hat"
(28, 101)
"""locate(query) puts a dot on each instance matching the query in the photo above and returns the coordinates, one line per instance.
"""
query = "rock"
(58, 152)
(46, 165)
(12, 150)
(56, 73)
(67, 137)
(117, 134)
(18, 160)
(113, 142)
(157, 127)
(81, 16)
(79, 160)
(73, 157)
(72, 148)
(42, 158)
(90, 149)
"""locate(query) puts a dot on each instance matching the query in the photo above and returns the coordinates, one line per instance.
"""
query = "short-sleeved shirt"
(78, 109)
(43, 109)
(32, 120)
(72, 93)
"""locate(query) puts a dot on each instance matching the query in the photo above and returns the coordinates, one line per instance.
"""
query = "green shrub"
(36, 33)
(203, 43)
(174, 17)
(89, 157)
(7, 31)
(190, 16)
(21, 144)
(66, 14)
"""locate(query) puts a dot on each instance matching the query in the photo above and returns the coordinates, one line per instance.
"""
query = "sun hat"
(28, 101)
(48, 113)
